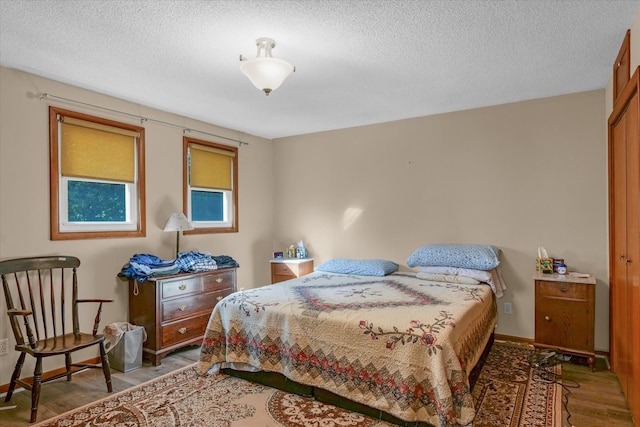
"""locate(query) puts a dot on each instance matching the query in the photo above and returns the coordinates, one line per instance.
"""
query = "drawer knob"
(219, 280)
(547, 318)
(182, 308)
(283, 268)
(563, 289)
(182, 287)
(182, 331)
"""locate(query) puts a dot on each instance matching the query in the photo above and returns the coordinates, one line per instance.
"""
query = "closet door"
(619, 313)
(633, 249)
(624, 255)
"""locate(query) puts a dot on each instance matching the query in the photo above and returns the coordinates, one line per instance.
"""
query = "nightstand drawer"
(220, 281)
(564, 290)
(184, 307)
(184, 330)
(177, 287)
(284, 271)
(287, 269)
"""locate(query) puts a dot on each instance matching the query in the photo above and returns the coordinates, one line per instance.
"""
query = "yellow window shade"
(97, 151)
(210, 167)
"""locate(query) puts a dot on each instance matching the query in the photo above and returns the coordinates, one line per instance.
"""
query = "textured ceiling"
(357, 62)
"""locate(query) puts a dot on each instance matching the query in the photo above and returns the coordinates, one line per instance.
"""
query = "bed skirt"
(279, 381)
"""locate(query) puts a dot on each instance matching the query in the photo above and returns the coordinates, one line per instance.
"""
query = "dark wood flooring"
(597, 401)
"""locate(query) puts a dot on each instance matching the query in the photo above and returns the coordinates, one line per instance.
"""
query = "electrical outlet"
(507, 308)
(4, 346)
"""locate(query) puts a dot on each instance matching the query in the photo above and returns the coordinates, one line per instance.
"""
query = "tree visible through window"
(97, 177)
(96, 202)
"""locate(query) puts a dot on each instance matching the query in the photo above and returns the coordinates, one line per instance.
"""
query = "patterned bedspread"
(397, 343)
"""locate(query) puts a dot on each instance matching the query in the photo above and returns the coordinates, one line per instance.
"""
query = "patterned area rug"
(508, 393)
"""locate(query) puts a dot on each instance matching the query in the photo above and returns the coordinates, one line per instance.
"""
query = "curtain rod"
(142, 119)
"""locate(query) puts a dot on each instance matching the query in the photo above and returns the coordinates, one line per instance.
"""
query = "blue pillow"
(476, 257)
(362, 267)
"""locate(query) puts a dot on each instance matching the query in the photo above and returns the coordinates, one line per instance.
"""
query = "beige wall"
(24, 198)
(517, 176)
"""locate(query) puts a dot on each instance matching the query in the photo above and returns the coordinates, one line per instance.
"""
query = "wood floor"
(597, 402)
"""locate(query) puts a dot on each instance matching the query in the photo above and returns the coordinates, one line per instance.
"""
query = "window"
(97, 177)
(210, 186)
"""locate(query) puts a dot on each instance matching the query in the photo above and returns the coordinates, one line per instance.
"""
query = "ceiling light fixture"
(266, 72)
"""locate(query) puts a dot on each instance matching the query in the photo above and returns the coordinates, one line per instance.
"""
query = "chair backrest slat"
(62, 289)
(20, 296)
(33, 304)
(75, 317)
(43, 313)
(52, 301)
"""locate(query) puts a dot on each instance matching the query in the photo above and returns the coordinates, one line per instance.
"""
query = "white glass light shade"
(266, 74)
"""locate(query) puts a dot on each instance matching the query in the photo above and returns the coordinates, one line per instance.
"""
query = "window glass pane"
(207, 205)
(97, 202)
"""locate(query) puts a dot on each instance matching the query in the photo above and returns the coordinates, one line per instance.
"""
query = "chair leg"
(67, 364)
(35, 389)
(15, 376)
(106, 368)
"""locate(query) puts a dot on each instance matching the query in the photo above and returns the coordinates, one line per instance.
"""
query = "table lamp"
(177, 222)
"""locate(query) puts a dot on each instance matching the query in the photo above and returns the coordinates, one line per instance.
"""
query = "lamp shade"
(264, 71)
(266, 74)
(177, 222)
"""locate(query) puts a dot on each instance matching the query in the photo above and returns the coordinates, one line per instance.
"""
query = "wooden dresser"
(565, 314)
(175, 309)
(289, 268)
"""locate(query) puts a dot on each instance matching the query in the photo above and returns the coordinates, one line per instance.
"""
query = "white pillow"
(493, 277)
(479, 275)
(448, 278)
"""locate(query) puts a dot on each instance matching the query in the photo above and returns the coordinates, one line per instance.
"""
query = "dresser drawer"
(177, 287)
(563, 290)
(184, 307)
(183, 330)
(219, 281)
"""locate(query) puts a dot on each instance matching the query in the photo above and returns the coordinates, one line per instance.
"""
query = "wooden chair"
(42, 297)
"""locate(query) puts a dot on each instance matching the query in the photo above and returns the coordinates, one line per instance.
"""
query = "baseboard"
(501, 337)
(5, 387)
(601, 353)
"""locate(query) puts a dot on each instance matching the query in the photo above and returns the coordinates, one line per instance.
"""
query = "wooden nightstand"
(175, 309)
(565, 314)
(289, 268)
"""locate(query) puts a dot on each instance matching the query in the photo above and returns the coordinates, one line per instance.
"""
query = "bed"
(399, 344)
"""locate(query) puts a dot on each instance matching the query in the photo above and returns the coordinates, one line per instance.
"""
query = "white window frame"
(227, 207)
(131, 197)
